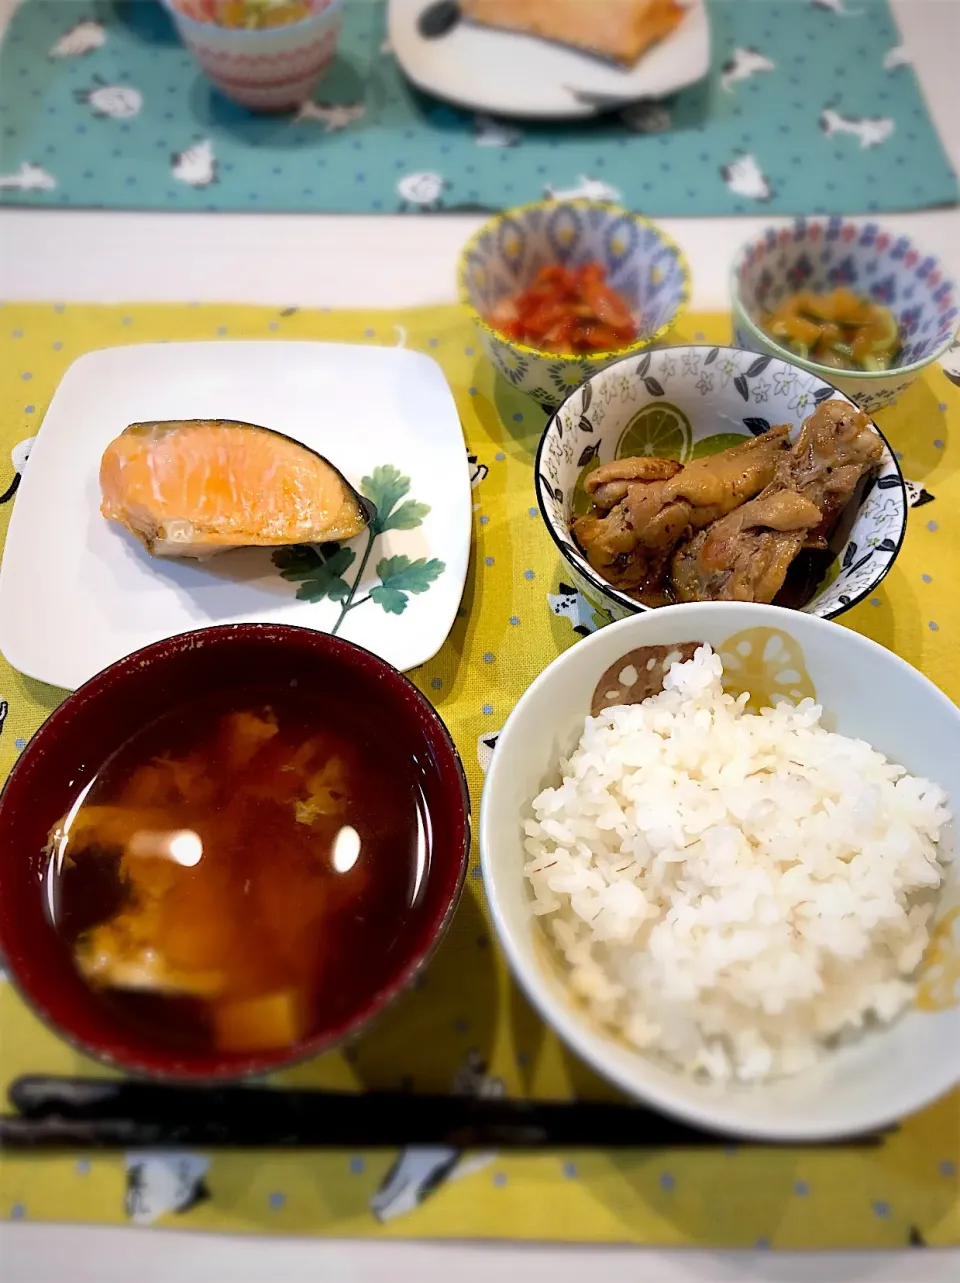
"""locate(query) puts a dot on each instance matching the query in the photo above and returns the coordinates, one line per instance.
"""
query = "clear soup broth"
(238, 874)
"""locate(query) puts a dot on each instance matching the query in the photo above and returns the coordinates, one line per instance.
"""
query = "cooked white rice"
(734, 891)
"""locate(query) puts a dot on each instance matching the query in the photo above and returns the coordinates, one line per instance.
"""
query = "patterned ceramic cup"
(642, 263)
(270, 69)
(686, 402)
(822, 254)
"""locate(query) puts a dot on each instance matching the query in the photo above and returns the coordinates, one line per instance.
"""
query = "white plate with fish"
(78, 592)
(513, 73)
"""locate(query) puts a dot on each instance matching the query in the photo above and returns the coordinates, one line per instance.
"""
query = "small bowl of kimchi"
(560, 290)
(849, 302)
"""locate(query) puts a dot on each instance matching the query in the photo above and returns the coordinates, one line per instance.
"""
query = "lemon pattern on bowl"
(767, 663)
(659, 430)
(719, 441)
(581, 503)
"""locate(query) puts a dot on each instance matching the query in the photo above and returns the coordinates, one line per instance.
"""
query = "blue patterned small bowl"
(686, 402)
(647, 268)
(821, 254)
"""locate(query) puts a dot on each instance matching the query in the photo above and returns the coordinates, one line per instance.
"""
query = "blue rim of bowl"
(598, 358)
(179, 16)
(583, 567)
(812, 367)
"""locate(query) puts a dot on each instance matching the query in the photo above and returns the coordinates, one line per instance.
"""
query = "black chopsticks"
(91, 1113)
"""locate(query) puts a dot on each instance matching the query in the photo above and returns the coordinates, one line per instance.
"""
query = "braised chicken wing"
(653, 504)
(746, 555)
(727, 526)
(835, 449)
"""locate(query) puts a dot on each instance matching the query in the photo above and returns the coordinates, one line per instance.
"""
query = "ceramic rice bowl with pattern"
(823, 254)
(269, 69)
(867, 693)
(686, 402)
(640, 262)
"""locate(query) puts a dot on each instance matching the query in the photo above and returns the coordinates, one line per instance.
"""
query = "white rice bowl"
(859, 1077)
(734, 891)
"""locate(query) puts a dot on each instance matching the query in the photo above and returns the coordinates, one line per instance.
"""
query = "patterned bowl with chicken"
(824, 254)
(639, 261)
(748, 479)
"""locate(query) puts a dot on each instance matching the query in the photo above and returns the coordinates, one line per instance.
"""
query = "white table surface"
(358, 261)
(314, 260)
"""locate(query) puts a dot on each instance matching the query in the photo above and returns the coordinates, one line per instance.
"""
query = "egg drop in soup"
(239, 873)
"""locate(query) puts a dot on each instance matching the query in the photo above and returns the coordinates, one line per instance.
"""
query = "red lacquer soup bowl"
(186, 672)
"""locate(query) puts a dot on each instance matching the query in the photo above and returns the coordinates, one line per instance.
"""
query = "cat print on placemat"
(741, 65)
(488, 132)
(478, 470)
(419, 1170)
(422, 192)
(80, 39)
(586, 188)
(917, 494)
(18, 457)
(838, 7)
(28, 178)
(646, 118)
(111, 102)
(196, 165)
(161, 1183)
(485, 746)
(870, 130)
(567, 603)
(745, 178)
(334, 116)
(896, 57)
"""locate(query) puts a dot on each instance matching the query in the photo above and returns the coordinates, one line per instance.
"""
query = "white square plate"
(508, 74)
(77, 592)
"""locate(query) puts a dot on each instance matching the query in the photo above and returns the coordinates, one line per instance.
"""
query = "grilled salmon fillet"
(618, 29)
(193, 487)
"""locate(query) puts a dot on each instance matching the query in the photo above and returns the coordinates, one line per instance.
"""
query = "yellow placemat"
(467, 1021)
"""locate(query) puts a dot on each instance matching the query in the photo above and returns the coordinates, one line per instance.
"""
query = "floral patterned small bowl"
(686, 402)
(647, 268)
(822, 254)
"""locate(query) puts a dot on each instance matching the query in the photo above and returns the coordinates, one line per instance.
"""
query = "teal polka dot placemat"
(810, 106)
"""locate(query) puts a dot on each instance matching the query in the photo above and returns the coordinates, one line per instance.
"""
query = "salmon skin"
(194, 487)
